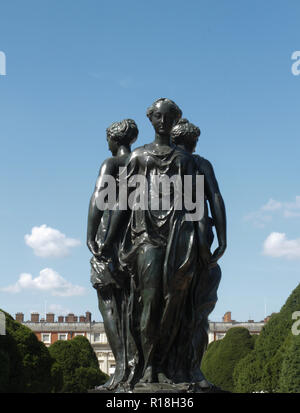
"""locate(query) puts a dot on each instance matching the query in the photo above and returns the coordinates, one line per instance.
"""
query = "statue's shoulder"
(138, 151)
(108, 164)
(183, 153)
(203, 163)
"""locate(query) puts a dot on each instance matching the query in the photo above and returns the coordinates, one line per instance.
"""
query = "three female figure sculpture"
(154, 273)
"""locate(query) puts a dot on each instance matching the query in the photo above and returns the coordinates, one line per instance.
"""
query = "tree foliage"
(25, 360)
(76, 367)
(289, 379)
(222, 356)
(263, 368)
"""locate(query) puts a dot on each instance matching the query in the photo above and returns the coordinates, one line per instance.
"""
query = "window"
(79, 334)
(112, 368)
(63, 336)
(46, 338)
(100, 338)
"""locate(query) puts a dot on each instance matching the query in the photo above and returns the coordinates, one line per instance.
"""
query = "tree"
(4, 371)
(247, 374)
(222, 356)
(76, 367)
(262, 370)
(289, 379)
(28, 363)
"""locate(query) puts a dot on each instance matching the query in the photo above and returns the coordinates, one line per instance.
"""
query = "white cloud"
(277, 245)
(264, 214)
(48, 281)
(292, 209)
(49, 242)
(58, 309)
(258, 218)
(271, 205)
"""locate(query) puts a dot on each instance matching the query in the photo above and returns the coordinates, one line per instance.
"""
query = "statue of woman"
(160, 248)
(107, 277)
(193, 337)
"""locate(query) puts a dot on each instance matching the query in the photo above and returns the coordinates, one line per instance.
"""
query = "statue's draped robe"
(112, 283)
(176, 237)
(187, 288)
(192, 339)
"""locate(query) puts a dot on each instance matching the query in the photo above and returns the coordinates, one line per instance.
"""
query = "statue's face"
(192, 148)
(163, 118)
(113, 146)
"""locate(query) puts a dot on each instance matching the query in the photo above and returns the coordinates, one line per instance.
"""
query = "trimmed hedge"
(25, 363)
(289, 379)
(222, 356)
(76, 367)
(261, 371)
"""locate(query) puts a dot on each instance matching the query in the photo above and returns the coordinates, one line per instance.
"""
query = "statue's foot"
(120, 375)
(204, 384)
(107, 385)
(162, 378)
(197, 376)
(149, 376)
(115, 379)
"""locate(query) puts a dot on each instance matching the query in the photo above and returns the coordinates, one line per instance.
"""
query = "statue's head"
(122, 133)
(164, 114)
(186, 134)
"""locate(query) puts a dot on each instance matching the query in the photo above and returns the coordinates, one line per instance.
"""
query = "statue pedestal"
(161, 388)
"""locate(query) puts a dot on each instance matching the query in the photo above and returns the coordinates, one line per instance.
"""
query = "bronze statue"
(107, 277)
(157, 263)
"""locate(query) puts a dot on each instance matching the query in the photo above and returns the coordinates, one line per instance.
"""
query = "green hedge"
(222, 356)
(76, 367)
(28, 366)
(262, 370)
(25, 360)
(289, 379)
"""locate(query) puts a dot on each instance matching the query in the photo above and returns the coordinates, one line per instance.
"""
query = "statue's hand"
(205, 254)
(93, 247)
(217, 255)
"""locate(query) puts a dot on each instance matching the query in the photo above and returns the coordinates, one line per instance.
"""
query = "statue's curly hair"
(185, 133)
(173, 107)
(124, 132)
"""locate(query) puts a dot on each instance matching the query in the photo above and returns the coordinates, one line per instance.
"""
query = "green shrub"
(262, 370)
(76, 367)
(247, 374)
(222, 356)
(4, 371)
(289, 379)
(28, 359)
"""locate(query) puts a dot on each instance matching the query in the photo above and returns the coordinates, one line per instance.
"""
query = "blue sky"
(75, 67)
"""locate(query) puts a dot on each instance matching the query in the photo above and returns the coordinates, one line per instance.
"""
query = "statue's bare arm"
(95, 214)
(217, 208)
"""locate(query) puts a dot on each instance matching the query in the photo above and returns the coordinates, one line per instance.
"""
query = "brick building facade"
(48, 330)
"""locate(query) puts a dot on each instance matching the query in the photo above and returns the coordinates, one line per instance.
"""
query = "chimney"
(20, 317)
(60, 318)
(82, 319)
(227, 317)
(50, 318)
(88, 317)
(35, 318)
(70, 318)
